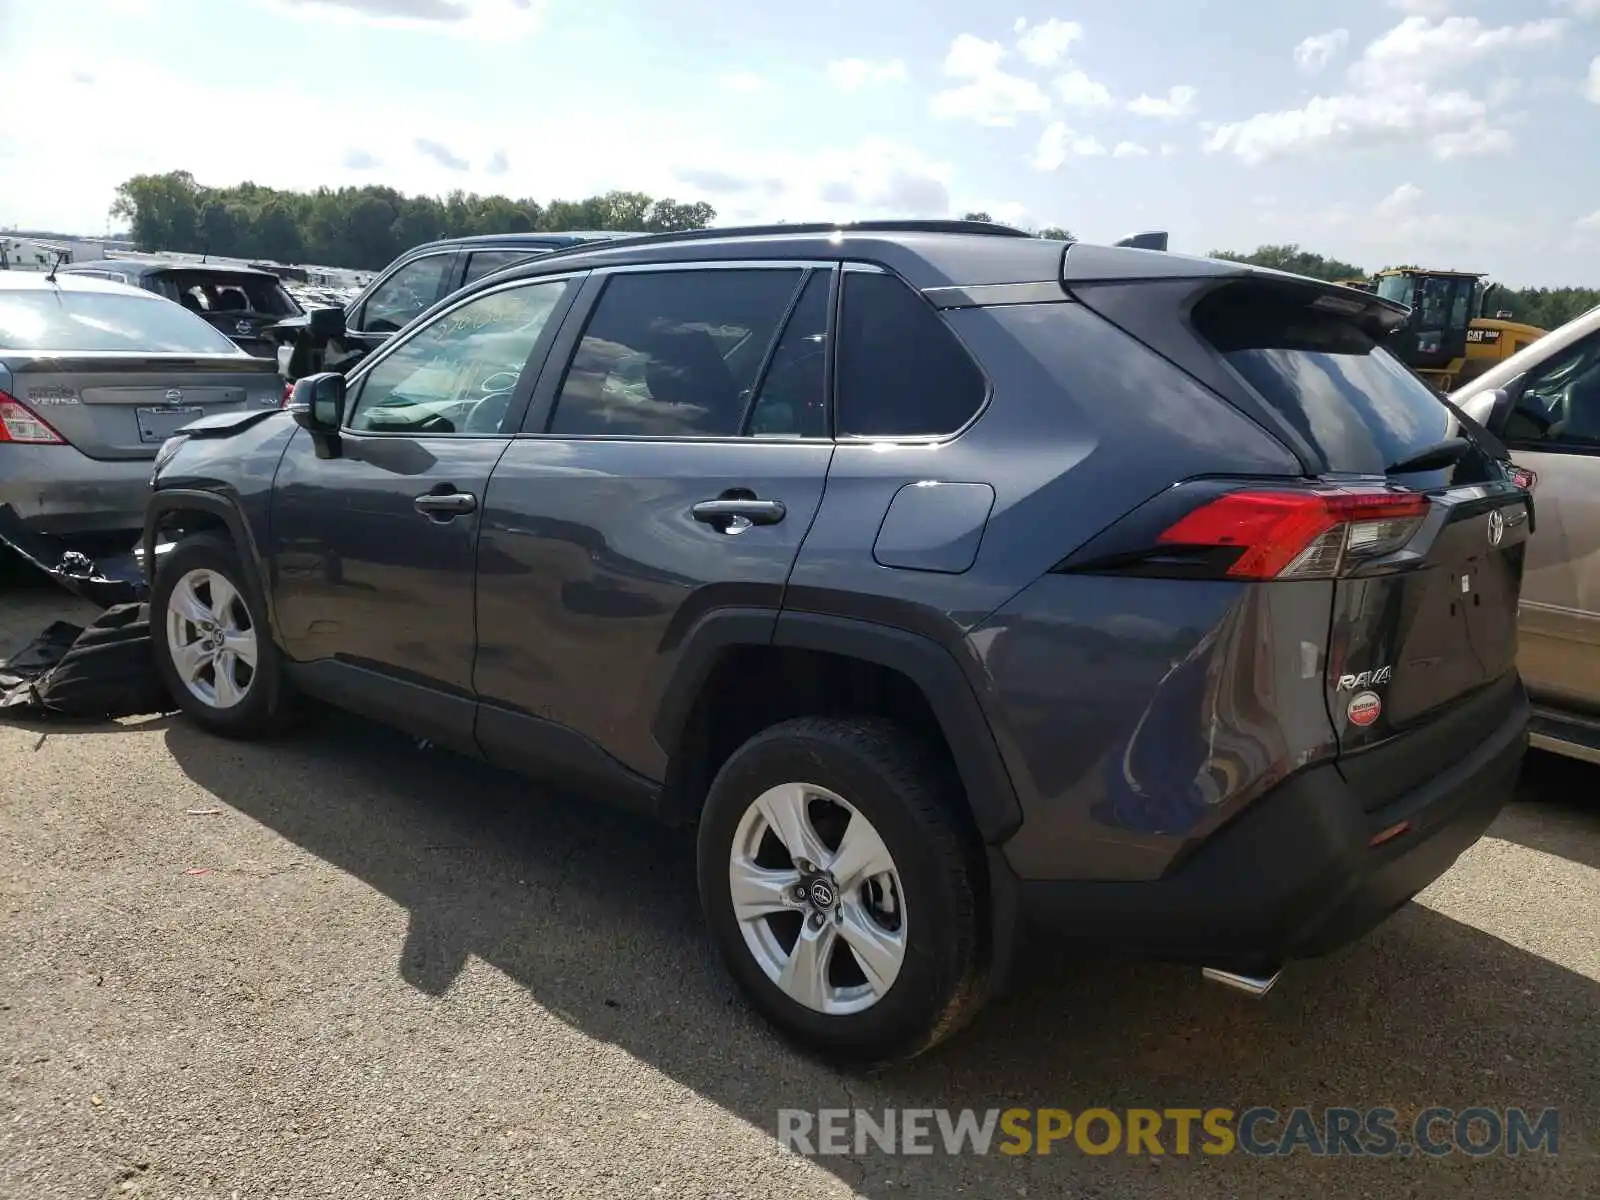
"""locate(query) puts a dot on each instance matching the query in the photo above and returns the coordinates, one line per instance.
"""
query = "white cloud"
(1178, 102)
(170, 118)
(1502, 91)
(1077, 90)
(484, 19)
(1406, 198)
(1406, 90)
(1318, 50)
(970, 56)
(1592, 221)
(1047, 43)
(740, 81)
(1591, 85)
(990, 96)
(1418, 50)
(1058, 143)
(853, 74)
(1129, 150)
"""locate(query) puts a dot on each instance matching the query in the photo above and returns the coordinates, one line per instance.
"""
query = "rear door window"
(674, 353)
(1560, 403)
(901, 371)
(486, 262)
(1354, 402)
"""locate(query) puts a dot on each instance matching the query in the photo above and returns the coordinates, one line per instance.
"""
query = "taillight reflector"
(19, 423)
(1300, 534)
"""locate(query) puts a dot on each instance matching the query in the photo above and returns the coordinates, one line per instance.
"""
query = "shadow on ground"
(1562, 809)
(595, 915)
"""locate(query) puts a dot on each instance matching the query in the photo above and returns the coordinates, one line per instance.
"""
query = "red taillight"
(19, 423)
(288, 394)
(1525, 479)
(1300, 535)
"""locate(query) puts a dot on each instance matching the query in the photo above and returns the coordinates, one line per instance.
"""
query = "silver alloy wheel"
(211, 639)
(818, 899)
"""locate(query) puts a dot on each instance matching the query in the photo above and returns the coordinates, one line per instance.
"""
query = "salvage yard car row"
(951, 582)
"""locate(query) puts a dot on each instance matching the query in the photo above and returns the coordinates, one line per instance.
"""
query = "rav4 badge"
(1364, 708)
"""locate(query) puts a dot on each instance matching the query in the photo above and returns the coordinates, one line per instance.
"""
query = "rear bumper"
(1296, 875)
(57, 491)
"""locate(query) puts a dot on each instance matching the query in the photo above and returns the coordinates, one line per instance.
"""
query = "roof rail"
(734, 231)
(1154, 239)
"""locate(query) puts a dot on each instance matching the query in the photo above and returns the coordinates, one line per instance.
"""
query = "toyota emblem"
(822, 894)
(1497, 527)
(174, 396)
(242, 327)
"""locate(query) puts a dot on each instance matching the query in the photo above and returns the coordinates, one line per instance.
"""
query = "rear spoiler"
(1144, 257)
(1155, 239)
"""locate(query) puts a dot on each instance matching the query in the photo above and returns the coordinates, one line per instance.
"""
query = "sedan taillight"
(19, 423)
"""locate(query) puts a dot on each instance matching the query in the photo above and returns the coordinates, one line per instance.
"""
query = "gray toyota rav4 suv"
(947, 580)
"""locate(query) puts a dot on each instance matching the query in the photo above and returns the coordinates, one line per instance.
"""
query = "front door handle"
(441, 506)
(737, 515)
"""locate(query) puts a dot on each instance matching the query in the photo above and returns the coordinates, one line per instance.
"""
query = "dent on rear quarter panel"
(1144, 713)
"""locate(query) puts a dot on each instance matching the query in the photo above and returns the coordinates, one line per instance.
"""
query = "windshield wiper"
(1433, 458)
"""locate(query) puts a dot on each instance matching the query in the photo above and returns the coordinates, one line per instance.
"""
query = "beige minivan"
(1544, 403)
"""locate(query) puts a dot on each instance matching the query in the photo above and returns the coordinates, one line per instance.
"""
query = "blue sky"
(1450, 132)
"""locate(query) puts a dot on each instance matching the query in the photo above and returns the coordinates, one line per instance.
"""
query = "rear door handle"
(445, 504)
(735, 516)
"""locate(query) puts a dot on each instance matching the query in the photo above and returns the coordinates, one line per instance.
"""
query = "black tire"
(911, 797)
(266, 705)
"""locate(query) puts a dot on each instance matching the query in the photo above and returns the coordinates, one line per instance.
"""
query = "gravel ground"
(404, 974)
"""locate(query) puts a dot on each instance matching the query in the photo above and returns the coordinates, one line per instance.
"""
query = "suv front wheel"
(211, 640)
(841, 887)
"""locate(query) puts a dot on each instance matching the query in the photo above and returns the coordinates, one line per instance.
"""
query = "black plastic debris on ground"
(103, 579)
(107, 669)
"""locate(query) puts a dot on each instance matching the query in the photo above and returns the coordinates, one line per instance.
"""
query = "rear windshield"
(1352, 400)
(53, 319)
(214, 292)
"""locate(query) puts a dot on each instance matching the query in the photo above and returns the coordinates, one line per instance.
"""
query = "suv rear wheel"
(841, 888)
(212, 644)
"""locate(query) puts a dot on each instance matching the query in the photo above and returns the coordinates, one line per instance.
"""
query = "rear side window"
(55, 319)
(485, 262)
(1352, 400)
(674, 353)
(901, 372)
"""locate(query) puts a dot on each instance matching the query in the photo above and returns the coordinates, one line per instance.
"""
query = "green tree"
(1055, 233)
(163, 211)
(1296, 261)
(362, 227)
(977, 216)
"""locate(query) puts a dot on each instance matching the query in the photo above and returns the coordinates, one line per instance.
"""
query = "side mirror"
(317, 403)
(325, 323)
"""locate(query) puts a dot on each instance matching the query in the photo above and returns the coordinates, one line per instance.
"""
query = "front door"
(374, 548)
(671, 470)
(1554, 430)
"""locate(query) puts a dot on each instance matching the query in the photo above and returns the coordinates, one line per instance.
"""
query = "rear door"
(1425, 600)
(1554, 430)
(670, 467)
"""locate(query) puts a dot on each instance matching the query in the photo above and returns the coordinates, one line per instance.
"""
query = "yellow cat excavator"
(1449, 338)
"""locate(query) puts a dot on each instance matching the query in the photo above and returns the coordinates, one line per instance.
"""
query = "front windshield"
(1396, 288)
